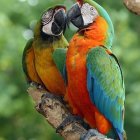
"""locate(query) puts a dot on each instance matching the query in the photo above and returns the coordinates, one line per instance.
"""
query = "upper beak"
(74, 15)
(59, 21)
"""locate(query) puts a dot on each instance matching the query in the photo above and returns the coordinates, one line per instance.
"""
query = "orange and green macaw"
(95, 85)
(44, 55)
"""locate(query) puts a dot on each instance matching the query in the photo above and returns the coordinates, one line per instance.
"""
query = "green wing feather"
(105, 85)
(24, 65)
(59, 57)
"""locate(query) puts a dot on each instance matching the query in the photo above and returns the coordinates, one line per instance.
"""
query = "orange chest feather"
(31, 67)
(47, 70)
(83, 41)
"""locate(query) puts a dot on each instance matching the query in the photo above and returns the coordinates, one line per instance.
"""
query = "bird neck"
(98, 31)
(103, 13)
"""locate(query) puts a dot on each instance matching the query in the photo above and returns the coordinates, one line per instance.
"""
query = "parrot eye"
(93, 11)
(47, 17)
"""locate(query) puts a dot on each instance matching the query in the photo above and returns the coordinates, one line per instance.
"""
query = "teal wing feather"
(59, 57)
(25, 52)
(106, 86)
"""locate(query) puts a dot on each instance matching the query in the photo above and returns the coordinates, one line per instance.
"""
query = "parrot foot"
(37, 85)
(91, 133)
(51, 96)
(69, 120)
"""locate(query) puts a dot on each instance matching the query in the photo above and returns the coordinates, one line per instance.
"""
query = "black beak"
(59, 23)
(74, 15)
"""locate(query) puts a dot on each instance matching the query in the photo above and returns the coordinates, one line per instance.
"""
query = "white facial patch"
(47, 20)
(89, 13)
(48, 28)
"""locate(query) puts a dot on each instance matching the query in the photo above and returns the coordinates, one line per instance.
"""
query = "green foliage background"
(18, 118)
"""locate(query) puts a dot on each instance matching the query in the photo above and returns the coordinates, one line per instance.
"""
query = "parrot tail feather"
(120, 135)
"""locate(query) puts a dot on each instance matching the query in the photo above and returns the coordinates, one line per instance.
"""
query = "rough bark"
(55, 112)
(133, 6)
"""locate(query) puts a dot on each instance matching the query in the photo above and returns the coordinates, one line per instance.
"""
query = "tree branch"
(133, 6)
(55, 113)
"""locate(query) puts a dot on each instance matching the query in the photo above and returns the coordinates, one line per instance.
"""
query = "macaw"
(44, 55)
(95, 84)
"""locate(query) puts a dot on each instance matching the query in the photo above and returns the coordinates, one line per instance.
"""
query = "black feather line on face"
(45, 20)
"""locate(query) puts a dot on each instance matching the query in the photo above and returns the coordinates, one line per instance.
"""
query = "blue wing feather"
(105, 86)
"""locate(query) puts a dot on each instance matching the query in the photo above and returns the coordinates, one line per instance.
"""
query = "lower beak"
(74, 15)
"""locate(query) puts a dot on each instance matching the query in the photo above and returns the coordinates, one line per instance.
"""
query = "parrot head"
(84, 12)
(53, 21)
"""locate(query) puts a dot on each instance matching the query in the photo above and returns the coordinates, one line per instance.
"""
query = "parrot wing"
(106, 86)
(59, 57)
(28, 64)
(26, 51)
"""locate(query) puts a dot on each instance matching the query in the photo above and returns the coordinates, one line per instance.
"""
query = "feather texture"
(59, 57)
(105, 86)
(28, 63)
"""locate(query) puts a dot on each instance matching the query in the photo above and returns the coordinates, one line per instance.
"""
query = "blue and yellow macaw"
(44, 55)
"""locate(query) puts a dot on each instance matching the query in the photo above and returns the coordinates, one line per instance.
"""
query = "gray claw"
(37, 85)
(52, 96)
(91, 133)
(71, 119)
